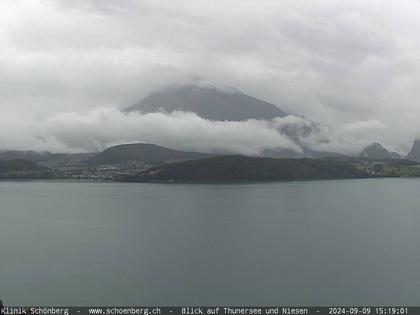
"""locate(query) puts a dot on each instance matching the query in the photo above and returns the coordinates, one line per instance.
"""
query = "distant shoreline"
(68, 181)
(216, 169)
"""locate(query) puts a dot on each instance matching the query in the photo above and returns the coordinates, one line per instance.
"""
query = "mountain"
(23, 155)
(209, 103)
(19, 165)
(376, 151)
(223, 105)
(142, 153)
(24, 169)
(47, 158)
(241, 169)
(414, 154)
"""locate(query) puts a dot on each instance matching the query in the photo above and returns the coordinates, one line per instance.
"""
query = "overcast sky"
(353, 65)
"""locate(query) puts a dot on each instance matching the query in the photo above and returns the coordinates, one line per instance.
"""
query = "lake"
(298, 243)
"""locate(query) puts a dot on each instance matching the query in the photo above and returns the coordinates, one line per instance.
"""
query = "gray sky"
(352, 65)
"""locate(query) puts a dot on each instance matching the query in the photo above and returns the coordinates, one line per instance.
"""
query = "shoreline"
(84, 181)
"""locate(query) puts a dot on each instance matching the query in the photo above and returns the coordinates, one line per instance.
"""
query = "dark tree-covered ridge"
(237, 168)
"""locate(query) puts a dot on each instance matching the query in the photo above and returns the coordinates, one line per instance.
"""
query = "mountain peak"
(377, 151)
(209, 102)
(414, 154)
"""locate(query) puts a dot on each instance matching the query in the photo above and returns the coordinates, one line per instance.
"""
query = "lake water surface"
(300, 243)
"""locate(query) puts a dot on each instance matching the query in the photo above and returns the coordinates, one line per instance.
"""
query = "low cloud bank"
(104, 127)
(349, 139)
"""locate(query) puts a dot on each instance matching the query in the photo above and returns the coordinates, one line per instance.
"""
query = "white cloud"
(100, 128)
(103, 127)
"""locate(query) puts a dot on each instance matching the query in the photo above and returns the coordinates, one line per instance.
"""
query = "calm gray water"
(306, 243)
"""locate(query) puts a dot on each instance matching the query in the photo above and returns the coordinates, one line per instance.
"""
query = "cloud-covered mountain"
(223, 104)
(347, 64)
(243, 125)
(208, 102)
(414, 154)
(377, 151)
